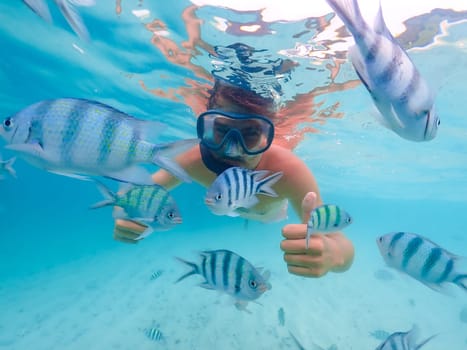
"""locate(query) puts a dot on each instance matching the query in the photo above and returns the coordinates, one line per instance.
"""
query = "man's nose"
(232, 148)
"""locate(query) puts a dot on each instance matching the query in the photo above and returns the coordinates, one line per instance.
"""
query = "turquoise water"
(66, 284)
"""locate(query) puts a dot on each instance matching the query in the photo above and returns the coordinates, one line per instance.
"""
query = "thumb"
(308, 204)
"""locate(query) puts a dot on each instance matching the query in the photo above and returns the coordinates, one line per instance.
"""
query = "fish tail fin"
(461, 281)
(9, 167)
(110, 197)
(162, 152)
(73, 18)
(40, 8)
(424, 342)
(264, 186)
(194, 269)
(349, 12)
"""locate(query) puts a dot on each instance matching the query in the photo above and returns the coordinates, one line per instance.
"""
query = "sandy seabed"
(107, 301)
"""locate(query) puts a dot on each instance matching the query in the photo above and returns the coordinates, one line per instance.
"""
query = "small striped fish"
(327, 218)
(421, 259)
(228, 272)
(156, 274)
(6, 167)
(399, 92)
(150, 205)
(153, 334)
(236, 188)
(77, 137)
(403, 341)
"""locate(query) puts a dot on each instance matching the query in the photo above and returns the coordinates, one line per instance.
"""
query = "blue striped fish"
(151, 205)
(78, 137)
(399, 92)
(421, 259)
(403, 341)
(327, 218)
(6, 167)
(67, 9)
(228, 272)
(153, 334)
(156, 274)
(236, 188)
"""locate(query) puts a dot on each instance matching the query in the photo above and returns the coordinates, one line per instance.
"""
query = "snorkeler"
(237, 130)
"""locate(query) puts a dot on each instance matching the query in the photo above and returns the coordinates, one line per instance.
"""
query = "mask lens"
(254, 133)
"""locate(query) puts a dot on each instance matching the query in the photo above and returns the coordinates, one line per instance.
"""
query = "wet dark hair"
(250, 100)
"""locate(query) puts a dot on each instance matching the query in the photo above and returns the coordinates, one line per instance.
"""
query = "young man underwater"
(237, 130)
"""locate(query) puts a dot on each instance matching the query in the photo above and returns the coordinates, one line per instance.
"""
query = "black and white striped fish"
(421, 258)
(78, 137)
(403, 341)
(68, 10)
(156, 274)
(236, 188)
(153, 334)
(150, 205)
(399, 92)
(327, 218)
(228, 272)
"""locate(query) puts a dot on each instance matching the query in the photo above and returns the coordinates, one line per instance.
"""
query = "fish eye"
(170, 215)
(8, 123)
(380, 239)
(438, 122)
(218, 196)
(252, 284)
(349, 220)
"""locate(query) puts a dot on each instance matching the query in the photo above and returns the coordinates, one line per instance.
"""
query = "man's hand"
(128, 231)
(325, 252)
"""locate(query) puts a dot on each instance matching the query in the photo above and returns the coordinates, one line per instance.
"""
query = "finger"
(125, 240)
(294, 231)
(308, 204)
(298, 246)
(302, 260)
(306, 272)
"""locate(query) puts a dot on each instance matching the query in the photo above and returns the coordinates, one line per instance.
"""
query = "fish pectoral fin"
(136, 175)
(28, 149)
(241, 305)
(206, 285)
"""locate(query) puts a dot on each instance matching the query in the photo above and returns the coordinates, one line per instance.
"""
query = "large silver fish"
(236, 188)
(151, 205)
(421, 259)
(403, 341)
(228, 272)
(68, 10)
(399, 92)
(78, 137)
(327, 218)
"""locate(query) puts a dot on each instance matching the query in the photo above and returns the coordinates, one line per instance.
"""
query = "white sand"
(106, 301)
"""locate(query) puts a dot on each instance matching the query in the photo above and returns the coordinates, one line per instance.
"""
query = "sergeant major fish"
(401, 95)
(403, 341)
(228, 272)
(151, 205)
(81, 137)
(327, 218)
(68, 10)
(421, 259)
(236, 189)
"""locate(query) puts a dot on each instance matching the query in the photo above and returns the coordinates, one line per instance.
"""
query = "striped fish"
(236, 189)
(399, 92)
(78, 137)
(421, 259)
(228, 272)
(68, 10)
(403, 341)
(6, 167)
(156, 274)
(327, 218)
(151, 205)
(153, 334)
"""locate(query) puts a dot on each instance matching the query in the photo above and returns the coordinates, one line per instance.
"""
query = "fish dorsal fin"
(380, 26)
(148, 130)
